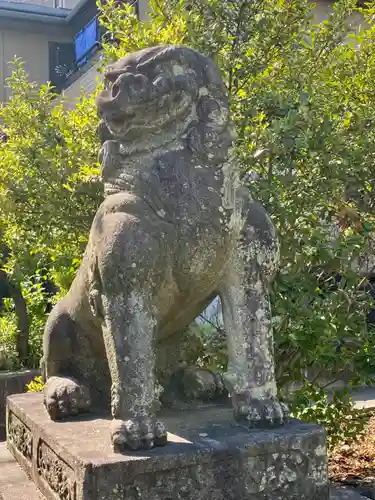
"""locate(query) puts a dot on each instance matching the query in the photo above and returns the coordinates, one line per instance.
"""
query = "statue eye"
(163, 83)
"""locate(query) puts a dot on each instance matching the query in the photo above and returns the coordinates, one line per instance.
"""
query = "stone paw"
(137, 434)
(262, 412)
(64, 397)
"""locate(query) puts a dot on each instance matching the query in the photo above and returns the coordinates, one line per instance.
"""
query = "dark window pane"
(61, 63)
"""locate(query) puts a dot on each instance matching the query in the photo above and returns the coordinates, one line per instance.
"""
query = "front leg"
(129, 340)
(247, 318)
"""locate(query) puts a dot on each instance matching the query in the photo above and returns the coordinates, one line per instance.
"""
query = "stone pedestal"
(208, 458)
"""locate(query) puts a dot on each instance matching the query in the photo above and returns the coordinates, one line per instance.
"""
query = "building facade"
(65, 4)
(56, 44)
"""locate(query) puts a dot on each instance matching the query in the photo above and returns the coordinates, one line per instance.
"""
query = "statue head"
(171, 92)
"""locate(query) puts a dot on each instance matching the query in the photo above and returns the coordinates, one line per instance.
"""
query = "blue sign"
(86, 39)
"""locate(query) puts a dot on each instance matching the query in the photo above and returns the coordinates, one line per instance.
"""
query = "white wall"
(31, 48)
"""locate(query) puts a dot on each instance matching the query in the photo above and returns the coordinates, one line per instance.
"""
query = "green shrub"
(49, 193)
(343, 422)
(35, 385)
(49, 189)
(8, 330)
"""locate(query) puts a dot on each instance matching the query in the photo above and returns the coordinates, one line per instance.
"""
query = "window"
(61, 63)
(86, 42)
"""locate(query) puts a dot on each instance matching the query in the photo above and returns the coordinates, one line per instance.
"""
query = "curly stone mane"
(162, 98)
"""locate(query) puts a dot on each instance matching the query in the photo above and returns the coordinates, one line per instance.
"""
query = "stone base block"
(15, 485)
(208, 457)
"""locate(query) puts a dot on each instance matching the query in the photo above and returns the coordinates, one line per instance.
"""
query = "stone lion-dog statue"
(175, 230)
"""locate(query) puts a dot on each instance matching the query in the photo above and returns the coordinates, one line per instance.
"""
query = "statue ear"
(212, 110)
(209, 142)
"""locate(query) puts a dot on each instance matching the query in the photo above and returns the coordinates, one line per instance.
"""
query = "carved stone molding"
(56, 472)
(184, 483)
(19, 435)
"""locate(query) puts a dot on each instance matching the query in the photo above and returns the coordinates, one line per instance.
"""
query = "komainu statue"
(175, 230)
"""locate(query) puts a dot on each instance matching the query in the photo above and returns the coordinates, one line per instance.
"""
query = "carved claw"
(137, 434)
(64, 397)
(262, 412)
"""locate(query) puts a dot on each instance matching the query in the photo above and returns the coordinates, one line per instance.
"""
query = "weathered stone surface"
(344, 493)
(210, 458)
(12, 383)
(175, 230)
